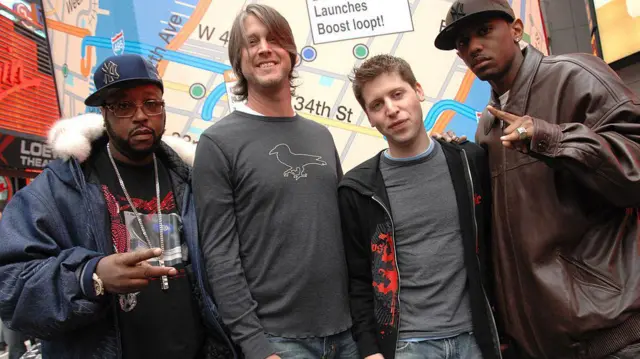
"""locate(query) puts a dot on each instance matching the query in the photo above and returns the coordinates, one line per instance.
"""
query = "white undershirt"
(242, 107)
(503, 99)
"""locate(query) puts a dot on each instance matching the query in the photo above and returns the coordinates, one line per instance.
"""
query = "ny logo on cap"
(110, 70)
(457, 11)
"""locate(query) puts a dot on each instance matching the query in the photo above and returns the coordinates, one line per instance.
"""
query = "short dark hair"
(376, 66)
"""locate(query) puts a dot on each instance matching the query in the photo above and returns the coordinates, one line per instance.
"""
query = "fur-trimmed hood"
(72, 137)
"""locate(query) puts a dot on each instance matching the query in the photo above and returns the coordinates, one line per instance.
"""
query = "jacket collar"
(76, 140)
(521, 89)
(366, 178)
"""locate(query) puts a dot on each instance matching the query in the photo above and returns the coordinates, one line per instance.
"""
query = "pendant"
(128, 301)
(164, 280)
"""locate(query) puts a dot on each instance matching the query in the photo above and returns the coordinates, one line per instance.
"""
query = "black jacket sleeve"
(482, 181)
(358, 252)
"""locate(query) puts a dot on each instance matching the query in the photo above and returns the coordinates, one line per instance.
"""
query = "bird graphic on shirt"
(295, 162)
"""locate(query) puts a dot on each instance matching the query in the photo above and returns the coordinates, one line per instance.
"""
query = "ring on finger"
(522, 133)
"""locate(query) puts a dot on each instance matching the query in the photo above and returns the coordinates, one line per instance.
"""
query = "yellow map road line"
(176, 86)
(342, 125)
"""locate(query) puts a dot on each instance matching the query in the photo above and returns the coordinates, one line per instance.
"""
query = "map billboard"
(188, 40)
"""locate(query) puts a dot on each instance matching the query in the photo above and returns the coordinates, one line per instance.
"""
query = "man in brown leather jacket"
(564, 152)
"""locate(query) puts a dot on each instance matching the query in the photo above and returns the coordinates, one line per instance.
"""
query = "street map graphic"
(187, 41)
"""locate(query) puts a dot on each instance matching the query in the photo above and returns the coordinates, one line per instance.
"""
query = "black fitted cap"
(462, 11)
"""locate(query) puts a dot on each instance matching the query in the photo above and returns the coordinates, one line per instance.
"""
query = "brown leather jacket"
(566, 240)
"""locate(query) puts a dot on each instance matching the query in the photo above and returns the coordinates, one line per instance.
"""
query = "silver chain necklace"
(165, 280)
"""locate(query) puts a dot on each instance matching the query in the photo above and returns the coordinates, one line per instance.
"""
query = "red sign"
(28, 98)
(6, 190)
(13, 77)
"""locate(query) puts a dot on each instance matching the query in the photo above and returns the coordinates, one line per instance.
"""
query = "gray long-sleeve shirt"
(265, 190)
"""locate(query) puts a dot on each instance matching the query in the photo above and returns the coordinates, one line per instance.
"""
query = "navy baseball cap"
(122, 71)
(462, 11)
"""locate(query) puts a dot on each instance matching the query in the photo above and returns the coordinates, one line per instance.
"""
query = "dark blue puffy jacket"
(52, 234)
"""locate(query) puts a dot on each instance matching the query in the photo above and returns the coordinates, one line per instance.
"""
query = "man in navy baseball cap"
(129, 87)
(122, 71)
(111, 233)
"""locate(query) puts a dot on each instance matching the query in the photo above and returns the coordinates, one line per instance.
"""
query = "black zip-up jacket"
(370, 248)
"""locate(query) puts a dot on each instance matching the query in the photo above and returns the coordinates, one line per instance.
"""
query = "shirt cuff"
(257, 347)
(86, 278)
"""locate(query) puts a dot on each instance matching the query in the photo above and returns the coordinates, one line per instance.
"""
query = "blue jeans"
(462, 346)
(338, 346)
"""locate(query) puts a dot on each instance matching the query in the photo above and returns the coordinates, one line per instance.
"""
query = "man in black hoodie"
(418, 208)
